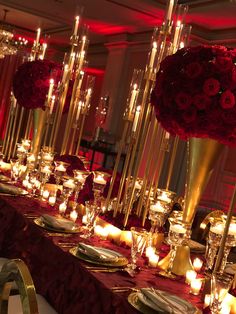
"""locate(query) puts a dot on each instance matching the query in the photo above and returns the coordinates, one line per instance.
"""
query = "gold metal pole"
(69, 122)
(80, 134)
(124, 175)
(12, 134)
(28, 124)
(22, 110)
(153, 134)
(121, 147)
(9, 124)
(172, 159)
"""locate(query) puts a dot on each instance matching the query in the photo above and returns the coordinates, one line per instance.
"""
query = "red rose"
(227, 100)
(224, 64)
(211, 87)
(201, 101)
(183, 100)
(189, 115)
(193, 69)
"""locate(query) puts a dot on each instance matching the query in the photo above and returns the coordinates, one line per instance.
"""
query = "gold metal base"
(181, 263)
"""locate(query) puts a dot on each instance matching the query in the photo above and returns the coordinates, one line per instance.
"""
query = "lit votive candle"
(73, 215)
(190, 276)
(62, 208)
(164, 197)
(150, 251)
(31, 158)
(99, 180)
(153, 260)
(157, 207)
(46, 194)
(197, 264)
(52, 200)
(46, 169)
(25, 183)
(84, 220)
(104, 234)
(195, 286)
(207, 300)
(60, 168)
(47, 157)
(69, 184)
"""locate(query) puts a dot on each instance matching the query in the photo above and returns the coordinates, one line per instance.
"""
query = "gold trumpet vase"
(202, 156)
(38, 127)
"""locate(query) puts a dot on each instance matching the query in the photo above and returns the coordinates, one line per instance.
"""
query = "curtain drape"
(8, 67)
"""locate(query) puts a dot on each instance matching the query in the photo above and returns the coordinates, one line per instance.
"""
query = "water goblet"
(59, 171)
(92, 212)
(220, 285)
(99, 183)
(139, 242)
(68, 189)
(79, 178)
(178, 233)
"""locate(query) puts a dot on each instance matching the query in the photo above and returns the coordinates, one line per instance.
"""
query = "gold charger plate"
(141, 307)
(41, 224)
(120, 262)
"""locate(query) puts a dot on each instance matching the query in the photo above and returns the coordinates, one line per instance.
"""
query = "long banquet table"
(63, 279)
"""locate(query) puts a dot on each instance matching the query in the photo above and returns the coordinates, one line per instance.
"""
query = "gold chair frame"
(16, 270)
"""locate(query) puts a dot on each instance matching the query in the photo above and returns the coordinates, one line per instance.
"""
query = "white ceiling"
(212, 20)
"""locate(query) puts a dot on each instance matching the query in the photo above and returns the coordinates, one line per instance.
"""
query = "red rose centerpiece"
(194, 98)
(195, 93)
(31, 86)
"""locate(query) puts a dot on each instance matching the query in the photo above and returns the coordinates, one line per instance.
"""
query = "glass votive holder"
(52, 199)
(195, 286)
(153, 260)
(73, 215)
(62, 208)
(197, 264)
(150, 250)
(45, 194)
(190, 276)
(207, 300)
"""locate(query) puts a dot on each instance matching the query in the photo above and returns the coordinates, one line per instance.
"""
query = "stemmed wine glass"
(139, 241)
(179, 231)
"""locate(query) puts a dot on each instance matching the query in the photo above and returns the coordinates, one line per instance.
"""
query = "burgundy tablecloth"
(62, 278)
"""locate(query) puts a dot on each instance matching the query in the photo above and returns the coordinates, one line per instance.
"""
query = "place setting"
(151, 301)
(99, 256)
(57, 224)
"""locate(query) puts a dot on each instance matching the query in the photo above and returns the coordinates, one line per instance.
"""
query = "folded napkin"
(97, 253)
(11, 189)
(58, 223)
(159, 300)
(230, 269)
(196, 246)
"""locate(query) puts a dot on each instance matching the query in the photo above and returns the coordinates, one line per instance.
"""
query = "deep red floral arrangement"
(31, 82)
(195, 93)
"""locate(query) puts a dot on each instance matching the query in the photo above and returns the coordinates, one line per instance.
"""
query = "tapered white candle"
(76, 25)
(78, 110)
(169, 10)
(38, 36)
(136, 118)
(87, 98)
(52, 104)
(153, 54)
(50, 90)
(44, 51)
(133, 98)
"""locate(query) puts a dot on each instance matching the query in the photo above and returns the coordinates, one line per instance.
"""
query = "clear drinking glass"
(92, 212)
(220, 285)
(139, 241)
